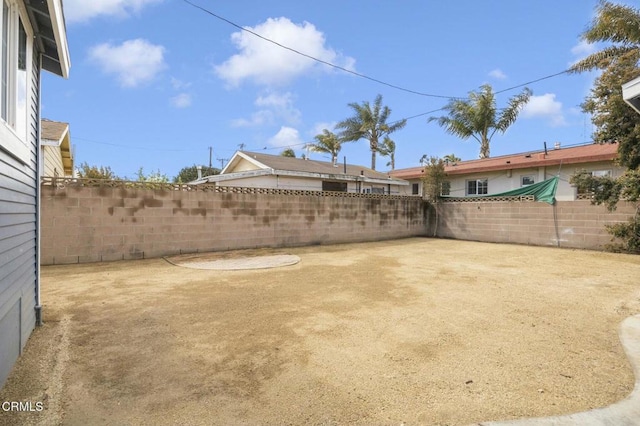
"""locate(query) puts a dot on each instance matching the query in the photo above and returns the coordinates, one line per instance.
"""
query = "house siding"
(52, 162)
(18, 240)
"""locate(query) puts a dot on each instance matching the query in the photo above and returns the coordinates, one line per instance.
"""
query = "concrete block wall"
(573, 224)
(91, 224)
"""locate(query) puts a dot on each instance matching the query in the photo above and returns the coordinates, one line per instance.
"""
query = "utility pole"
(210, 155)
(222, 160)
(241, 146)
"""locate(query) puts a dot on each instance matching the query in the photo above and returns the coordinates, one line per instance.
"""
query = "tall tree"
(451, 158)
(189, 174)
(369, 122)
(478, 116)
(388, 149)
(614, 120)
(328, 143)
(618, 25)
(289, 152)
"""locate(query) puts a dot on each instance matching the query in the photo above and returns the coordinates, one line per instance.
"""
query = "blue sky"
(155, 83)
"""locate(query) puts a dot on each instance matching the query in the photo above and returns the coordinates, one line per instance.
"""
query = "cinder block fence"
(84, 221)
(571, 224)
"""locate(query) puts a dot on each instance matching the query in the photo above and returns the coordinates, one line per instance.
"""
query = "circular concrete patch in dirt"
(240, 263)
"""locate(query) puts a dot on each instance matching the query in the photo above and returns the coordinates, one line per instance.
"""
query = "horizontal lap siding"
(18, 243)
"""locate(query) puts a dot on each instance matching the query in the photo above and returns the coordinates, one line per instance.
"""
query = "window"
(601, 173)
(445, 188)
(16, 53)
(477, 187)
(334, 186)
(527, 180)
(377, 190)
(415, 188)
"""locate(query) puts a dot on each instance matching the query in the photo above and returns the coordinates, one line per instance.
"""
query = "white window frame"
(11, 139)
(602, 173)
(478, 182)
(522, 178)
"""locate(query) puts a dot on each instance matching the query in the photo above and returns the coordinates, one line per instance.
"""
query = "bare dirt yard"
(415, 331)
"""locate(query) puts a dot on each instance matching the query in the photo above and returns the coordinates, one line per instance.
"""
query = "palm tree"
(388, 149)
(451, 158)
(619, 26)
(614, 23)
(328, 143)
(479, 118)
(369, 123)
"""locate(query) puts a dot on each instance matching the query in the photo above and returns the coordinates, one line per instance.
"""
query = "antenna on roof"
(545, 148)
(345, 164)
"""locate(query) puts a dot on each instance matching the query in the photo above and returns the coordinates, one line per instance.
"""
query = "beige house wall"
(575, 224)
(506, 180)
(52, 164)
(88, 224)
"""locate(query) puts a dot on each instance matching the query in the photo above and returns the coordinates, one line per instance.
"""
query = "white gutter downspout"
(38, 306)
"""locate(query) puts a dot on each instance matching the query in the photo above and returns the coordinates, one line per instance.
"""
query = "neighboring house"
(56, 152)
(256, 170)
(500, 174)
(631, 93)
(33, 38)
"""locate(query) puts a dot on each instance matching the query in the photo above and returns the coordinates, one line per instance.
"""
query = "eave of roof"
(280, 163)
(553, 157)
(310, 175)
(47, 19)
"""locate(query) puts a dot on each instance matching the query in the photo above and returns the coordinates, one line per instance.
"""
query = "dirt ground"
(415, 331)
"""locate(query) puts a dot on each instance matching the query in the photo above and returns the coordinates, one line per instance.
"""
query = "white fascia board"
(387, 181)
(234, 159)
(50, 142)
(60, 34)
(340, 177)
(231, 176)
(631, 93)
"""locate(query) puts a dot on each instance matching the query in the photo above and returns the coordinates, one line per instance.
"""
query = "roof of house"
(56, 134)
(277, 164)
(553, 157)
(47, 19)
(54, 130)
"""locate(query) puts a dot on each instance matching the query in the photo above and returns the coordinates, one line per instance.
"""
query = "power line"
(532, 81)
(404, 89)
(154, 148)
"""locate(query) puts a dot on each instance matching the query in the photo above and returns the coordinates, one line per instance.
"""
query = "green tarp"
(544, 191)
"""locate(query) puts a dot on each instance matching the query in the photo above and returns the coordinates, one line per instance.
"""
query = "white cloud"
(274, 106)
(84, 10)
(545, 106)
(583, 49)
(498, 74)
(267, 64)
(134, 62)
(181, 100)
(179, 84)
(318, 128)
(286, 137)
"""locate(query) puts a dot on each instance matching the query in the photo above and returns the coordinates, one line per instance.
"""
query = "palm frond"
(615, 23)
(601, 59)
